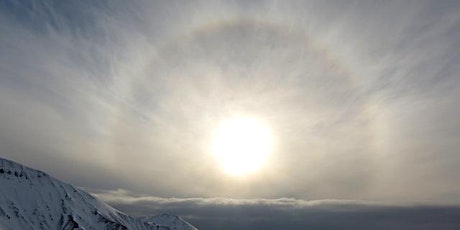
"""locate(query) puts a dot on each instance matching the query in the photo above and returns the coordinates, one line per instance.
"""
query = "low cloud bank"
(288, 213)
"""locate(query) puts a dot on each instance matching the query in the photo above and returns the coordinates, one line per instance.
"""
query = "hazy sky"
(122, 98)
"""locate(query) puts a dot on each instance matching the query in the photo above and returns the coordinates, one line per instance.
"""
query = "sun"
(242, 145)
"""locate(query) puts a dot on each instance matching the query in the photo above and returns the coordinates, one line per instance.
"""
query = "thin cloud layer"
(362, 97)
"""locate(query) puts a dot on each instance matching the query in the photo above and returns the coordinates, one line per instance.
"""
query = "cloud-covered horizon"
(362, 97)
(287, 213)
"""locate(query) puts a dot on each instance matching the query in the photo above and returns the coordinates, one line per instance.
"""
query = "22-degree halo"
(242, 145)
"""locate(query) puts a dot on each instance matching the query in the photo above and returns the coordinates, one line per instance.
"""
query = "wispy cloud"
(362, 97)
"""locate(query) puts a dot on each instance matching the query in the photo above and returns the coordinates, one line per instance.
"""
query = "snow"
(31, 199)
(168, 220)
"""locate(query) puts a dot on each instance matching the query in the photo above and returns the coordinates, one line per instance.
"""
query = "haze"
(122, 99)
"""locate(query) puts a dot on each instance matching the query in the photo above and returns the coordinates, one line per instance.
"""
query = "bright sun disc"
(242, 145)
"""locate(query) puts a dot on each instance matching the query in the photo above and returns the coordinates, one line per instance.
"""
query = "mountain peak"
(12, 168)
(30, 199)
(170, 220)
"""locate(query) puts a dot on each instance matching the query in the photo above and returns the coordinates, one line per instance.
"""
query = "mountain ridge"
(32, 199)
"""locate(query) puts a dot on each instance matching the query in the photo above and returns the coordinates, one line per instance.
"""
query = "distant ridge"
(31, 199)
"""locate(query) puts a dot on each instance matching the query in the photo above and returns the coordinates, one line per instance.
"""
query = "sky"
(122, 99)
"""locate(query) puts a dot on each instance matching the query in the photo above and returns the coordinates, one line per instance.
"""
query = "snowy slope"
(167, 220)
(30, 199)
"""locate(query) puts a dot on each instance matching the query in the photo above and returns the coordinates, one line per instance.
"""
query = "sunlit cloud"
(362, 98)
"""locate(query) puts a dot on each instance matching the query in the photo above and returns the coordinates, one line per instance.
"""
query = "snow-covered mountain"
(31, 199)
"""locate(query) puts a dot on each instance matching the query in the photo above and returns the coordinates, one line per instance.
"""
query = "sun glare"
(242, 145)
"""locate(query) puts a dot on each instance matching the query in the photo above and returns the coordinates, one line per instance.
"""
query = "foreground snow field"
(31, 199)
